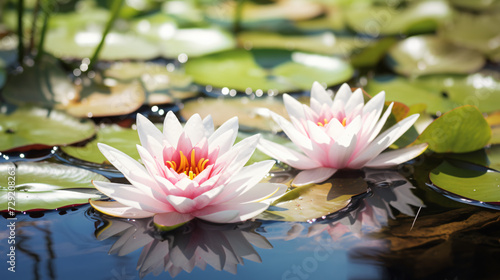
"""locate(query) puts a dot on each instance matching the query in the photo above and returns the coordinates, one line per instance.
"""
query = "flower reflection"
(389, 190)
(195, 244)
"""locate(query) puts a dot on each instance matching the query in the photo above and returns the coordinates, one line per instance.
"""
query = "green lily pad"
(277, 70)
(373, 53)
(44, 84)
(161, 85)
(467, 180)
(267, 15)
(43, 186)
(461, 130)
(493, 154)
(474, 31)
(417, 17)
(315, 201)
(252, 113)
(65, 43)
(477, 5)
(494, 122)
(324, 43)
(195, 42)
(428, 54)
(110, 98)
(123, 139)
(31, 126)
(404, 90)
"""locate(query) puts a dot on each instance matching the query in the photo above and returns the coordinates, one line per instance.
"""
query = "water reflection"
(196, 244)
(389, 190)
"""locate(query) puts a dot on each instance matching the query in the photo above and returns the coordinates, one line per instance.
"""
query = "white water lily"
(339, 133)
(188, 172)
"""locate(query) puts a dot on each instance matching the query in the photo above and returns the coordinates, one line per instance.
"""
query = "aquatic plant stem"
(33, 27)
(20, 46)
(115, 9)
(237, 16)
(46, 15)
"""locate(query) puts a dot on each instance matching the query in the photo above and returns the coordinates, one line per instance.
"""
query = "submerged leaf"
(43, 185)
(31, 126)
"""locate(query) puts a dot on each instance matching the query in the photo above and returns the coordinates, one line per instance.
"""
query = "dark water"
(373, 239)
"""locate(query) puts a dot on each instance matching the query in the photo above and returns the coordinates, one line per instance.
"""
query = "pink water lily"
(191, 171)
(338, 133)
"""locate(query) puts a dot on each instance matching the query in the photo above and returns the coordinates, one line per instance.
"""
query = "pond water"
(433, 217)
(376, 237)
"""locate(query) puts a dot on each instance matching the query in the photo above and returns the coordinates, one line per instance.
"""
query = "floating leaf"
(419, 17)
(195, 42)
(161, 85)
(252, 113)
(277, 70)
(266, 15)
(123, 139)
(468, 180)
(65, 43)
(494, 122)
(493, 154)
(323, 43)
(44, 84)
(43, 185)
(31, 126)
(372, 54)
(428, 54)
(477, 5)
(406, 91)
(316, 200)
(110, 99)
(475, 31)
(461, 130)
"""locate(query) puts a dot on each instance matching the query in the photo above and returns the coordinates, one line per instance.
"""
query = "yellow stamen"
(344, 121)
(322, 124)
(190, 168)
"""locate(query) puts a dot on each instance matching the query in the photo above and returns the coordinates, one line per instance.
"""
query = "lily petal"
(286, 155)
(312, 176)
(172, 219)
(116, 209)
(150, 136)
(319, 94)
(395, 157)
(172, 129)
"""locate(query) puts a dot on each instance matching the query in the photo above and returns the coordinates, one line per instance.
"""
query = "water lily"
(188, 172)
(338, 133)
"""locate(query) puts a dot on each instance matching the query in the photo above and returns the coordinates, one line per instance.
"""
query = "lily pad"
(461, 130)
(408, 92)
(324, 43)
(428, 54)
(266, 69)
(44, 84)
(416, 17)
(65, 43)
(475, 31)
(31, 127)
(123, 139)
(315, 201)
(493, 154)
(468, 180)
(162, 86)
(477, 5)
(108, 99)
(252, 113)
(264, 15)
(494, 122)
(195, 42)
(43, 186)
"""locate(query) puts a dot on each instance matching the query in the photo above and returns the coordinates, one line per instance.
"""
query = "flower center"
(188, 167)
(322, 124)
(325, 122)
